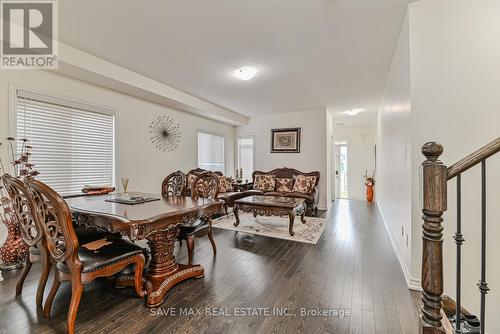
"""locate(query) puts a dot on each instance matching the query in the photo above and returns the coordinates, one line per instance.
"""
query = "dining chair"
(174, 184)
(206, 185)
(73, 263)
(31, 232)
(33, 235)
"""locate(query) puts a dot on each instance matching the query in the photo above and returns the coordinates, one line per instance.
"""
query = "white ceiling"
(310, 53)
(366, 117)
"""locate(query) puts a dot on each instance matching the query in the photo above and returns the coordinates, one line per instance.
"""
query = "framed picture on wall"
(285, 140)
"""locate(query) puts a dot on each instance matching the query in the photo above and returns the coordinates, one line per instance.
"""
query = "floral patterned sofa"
(288, 182)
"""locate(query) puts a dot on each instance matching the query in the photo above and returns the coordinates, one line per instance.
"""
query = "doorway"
(341, 169)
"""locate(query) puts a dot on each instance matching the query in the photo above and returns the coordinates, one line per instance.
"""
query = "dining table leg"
(164, 272)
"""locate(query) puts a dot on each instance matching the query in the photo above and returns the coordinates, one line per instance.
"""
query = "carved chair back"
(206, 185)
(191, 175)
(55, 216)
(198, 171)
(23, 206)
(174, 184)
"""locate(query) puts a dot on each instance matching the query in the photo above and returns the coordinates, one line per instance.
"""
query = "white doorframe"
(336, 168)
(333, 164)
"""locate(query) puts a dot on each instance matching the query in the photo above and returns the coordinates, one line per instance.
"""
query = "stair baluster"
(434, 193)
(483, 286)
(459, 240)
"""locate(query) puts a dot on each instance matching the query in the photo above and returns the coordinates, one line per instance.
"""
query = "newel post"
(433, 197)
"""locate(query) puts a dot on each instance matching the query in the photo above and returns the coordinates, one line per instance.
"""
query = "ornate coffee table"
(271, 206)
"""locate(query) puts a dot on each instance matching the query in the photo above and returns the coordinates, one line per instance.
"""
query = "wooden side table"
(244, 186)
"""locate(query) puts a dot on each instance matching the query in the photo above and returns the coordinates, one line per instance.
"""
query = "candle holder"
(239, 175)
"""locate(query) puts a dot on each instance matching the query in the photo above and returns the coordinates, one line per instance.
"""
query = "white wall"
(330, 156)
(443, 86)
(137, 157)
(394, 156)
(361, 156)
(312, 154)
(455, 81)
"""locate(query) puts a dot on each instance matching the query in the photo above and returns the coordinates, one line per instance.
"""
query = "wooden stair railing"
(435, 176)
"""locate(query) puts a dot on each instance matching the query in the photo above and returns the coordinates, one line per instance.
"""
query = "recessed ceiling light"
(353, 112)
(246, 73)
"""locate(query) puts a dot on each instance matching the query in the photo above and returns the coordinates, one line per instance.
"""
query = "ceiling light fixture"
(246, 73)
(353, 112)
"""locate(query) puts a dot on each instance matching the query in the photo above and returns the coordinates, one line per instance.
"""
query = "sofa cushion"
(284, 185)
(264, 182)
(308, 197)
(230, 197)
(304, 184)
(225, 184)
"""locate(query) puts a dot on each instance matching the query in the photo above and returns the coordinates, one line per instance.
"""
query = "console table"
(244, 186)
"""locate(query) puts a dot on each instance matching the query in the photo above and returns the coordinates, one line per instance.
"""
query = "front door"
(341, 170)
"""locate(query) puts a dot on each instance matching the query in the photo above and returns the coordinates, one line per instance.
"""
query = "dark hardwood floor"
(353, 267)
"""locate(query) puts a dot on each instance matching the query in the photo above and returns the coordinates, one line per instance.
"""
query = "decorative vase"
(369, 194)
(14, 251)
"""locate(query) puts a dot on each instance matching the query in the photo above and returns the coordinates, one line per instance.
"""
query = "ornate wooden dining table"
(158, 222)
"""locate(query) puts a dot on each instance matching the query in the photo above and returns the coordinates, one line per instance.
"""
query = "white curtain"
(245, 156)
(211, 154)
(72, 146)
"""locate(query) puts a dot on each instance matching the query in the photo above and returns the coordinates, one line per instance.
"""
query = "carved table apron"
(161, 233)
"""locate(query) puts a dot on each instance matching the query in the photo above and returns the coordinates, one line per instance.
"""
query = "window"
(245, 156)
(211, 152)
(73, 143)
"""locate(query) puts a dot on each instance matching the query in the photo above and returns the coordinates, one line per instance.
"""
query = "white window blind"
(245, 156)
(73, 143)
(211, 152)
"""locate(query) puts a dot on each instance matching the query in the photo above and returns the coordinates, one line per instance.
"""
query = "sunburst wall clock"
(165, 133)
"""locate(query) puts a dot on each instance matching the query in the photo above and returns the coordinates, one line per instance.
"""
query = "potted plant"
(14, 251)
(369, 183)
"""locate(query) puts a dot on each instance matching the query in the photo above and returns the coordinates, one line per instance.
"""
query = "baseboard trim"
(412, 282)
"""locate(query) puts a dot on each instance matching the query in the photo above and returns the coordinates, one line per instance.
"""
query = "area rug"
(275, 227)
